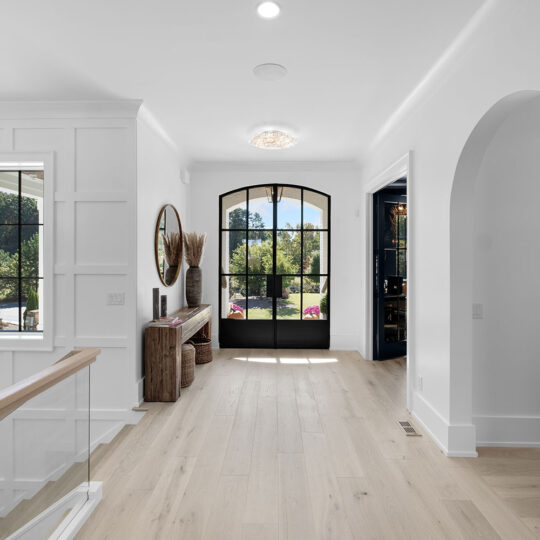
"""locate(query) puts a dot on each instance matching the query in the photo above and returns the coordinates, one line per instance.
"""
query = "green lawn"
(287, 309)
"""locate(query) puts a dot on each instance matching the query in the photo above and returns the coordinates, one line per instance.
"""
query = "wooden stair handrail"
(17, 394)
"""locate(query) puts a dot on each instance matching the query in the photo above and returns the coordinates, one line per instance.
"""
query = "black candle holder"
(163, 305)
(155, 304)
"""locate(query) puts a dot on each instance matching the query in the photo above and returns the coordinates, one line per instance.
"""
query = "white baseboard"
(453, 440)
(511, 431)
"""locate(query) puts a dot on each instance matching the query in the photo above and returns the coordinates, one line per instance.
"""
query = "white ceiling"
(351, 63)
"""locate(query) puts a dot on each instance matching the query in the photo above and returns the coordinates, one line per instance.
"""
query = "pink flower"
(234, 307)
(312, 310)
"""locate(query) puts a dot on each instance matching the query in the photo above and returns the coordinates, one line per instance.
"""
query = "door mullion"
(302, 254)
(274, 261)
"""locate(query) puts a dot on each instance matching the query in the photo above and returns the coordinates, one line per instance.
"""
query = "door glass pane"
(259, 304)
(395, 320)
(260, 252)
(233, 297)
(288, 252)
(289, 208)
(261, 208)
(288, 306)
(234, 210)
(315, 210)
(315, 298)
(233, 252)
(315, 252)
(32, 197)
(9, 304)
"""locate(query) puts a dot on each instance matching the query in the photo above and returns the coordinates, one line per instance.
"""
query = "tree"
(260, 261)
(237, 220)
(315, 263)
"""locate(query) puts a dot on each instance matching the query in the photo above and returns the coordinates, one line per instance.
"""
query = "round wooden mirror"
(168, 245)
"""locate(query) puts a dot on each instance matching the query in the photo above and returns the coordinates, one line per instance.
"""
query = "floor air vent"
(409, 430)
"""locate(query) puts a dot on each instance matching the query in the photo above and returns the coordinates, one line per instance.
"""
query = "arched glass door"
(275, 267)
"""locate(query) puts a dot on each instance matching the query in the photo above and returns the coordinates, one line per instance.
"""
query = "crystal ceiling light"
(268, 10)
(273, 139)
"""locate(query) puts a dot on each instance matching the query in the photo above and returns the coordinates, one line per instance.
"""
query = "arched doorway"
(274, 267)
(464, 306)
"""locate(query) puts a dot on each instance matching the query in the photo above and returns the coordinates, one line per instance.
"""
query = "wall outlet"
(478, 311)
(419, 383)
(116, 299)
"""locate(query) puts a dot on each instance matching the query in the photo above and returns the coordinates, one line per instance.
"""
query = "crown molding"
(125, 108)
(275, 166)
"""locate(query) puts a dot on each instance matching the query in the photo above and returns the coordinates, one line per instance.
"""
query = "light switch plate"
(116, 299)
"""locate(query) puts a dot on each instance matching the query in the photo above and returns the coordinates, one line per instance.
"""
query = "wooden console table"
(163, 351)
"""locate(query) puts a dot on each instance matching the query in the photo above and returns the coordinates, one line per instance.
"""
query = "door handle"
(270, 286)
(274, 286)
(279, 286)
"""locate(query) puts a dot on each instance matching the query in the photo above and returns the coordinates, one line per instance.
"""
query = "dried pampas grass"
(194, 247)
(172, 243)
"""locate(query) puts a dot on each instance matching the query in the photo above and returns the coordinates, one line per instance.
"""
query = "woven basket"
(188, 365)
(203, 350)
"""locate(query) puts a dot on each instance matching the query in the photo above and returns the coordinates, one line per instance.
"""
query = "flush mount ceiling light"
(270, 72)
(268, 10)
(273, 139)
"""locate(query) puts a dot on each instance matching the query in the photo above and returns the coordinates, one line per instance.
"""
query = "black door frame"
(241, 333)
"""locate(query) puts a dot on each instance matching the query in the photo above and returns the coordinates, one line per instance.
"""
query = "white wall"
(93, 149)
(158, 179)
(341, 182)
(495, 56)
(506, 366)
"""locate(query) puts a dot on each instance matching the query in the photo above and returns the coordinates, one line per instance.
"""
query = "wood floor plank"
(225, 521)
(306, 403)
(259, 531)
(345, 460)
(263, 482)
(295, 511)
(329, 515)
(238, 458)
(289, 429)
(469, 520)
(191, 512)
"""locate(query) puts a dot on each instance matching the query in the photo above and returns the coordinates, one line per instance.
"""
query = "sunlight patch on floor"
(285, 360)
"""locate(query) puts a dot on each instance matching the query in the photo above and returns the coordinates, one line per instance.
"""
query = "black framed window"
(21, 250)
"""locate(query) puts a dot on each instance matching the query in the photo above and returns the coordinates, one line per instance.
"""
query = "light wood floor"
(307, 447)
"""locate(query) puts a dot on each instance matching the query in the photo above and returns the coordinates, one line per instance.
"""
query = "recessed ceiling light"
(273, 139)
(270, 72)
(268, 10)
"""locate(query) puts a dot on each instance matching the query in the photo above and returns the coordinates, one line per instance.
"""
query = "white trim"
(16, 110)
(84, 499)
(274, 166)
(438, 70)
(400, 168)
(453, 440)
(23, 342)
(519, 431)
